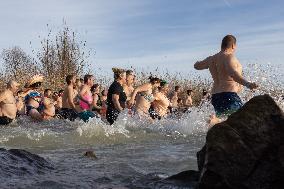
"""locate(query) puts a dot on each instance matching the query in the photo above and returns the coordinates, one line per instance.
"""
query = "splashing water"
(132, 153)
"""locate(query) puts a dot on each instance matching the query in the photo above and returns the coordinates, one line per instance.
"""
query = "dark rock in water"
(185, 176)
(90, 154)
(246, 150)
(21, 162)
(184, 179)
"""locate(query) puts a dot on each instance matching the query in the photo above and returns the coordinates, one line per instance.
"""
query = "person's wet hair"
(163, 83)
(87, 77)
(118, 72)
(60, 92)
(46, 91)
(177, 88)
(69, 79)
(103, 92)
(94, 87)
(129, 72)
(228, 41)
(154, 80)
(19, 92)
(188, 92)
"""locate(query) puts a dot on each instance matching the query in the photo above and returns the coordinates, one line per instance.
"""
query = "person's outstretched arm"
(204, 64)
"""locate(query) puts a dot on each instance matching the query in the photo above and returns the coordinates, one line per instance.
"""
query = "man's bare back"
(221, 67)
(226, 72)
(8, 104)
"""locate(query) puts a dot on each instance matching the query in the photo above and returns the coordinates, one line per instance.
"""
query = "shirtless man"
(188, 99)
(21, 108)
(159, 108)
(48, 111)
(8, 106)
(68, 110)
(174, 97)
(226, 72)
(58, 104)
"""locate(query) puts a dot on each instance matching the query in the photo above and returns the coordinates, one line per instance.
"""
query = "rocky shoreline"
(245, 151)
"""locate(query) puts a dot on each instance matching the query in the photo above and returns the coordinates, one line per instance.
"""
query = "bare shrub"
(17, 65)
(62, 56)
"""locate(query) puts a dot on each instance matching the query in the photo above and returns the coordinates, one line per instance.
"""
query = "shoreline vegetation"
(62, 53)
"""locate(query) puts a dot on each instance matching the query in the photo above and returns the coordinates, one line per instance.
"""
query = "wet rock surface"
(21, 162)
(90, 154)
(246, 150)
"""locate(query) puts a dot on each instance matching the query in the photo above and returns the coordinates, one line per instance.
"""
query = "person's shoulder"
(69, 88)
(230, 57)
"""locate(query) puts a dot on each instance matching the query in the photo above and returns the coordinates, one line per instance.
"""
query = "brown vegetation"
(55, 59)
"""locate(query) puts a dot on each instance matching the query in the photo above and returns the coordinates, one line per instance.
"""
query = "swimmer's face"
(78, 83)
(97, 90)
(123, 77)
(105, 93)
(91, 81)
(157, 84)
(130, 79)
(73, 81)
(165, 88)
(14, 88)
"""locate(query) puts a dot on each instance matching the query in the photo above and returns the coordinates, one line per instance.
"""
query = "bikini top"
(35, 96)
(149, 97)
(84, 105)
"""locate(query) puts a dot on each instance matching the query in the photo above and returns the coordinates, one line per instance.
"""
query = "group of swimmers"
(83, 99)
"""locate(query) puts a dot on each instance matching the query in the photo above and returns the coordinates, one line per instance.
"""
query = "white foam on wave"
(63, 132)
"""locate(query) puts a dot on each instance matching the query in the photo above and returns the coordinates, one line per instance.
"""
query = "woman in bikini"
(33, 98)
(144, 97)
(86, 99)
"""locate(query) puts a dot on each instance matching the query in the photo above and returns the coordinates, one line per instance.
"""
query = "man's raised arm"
(204, 64)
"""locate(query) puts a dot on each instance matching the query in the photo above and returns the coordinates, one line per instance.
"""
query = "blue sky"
(167, 34)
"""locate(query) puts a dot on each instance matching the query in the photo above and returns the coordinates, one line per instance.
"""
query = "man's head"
(60, 92)
(47, 92)
(164, 86)
(130, 77)
(189, 92)
(119, 75)
(229, 42)
(70, 79)
(13, 86)
(95, 88)
(89, 80)
(177, 89)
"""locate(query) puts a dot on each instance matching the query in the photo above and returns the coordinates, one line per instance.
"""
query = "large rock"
(247, 150)
(20, 162)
